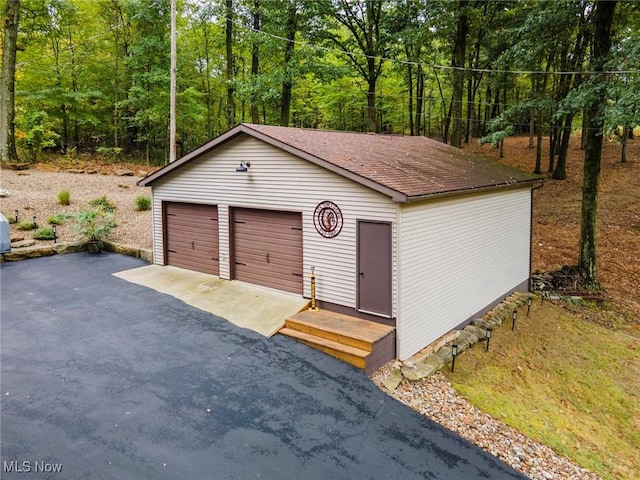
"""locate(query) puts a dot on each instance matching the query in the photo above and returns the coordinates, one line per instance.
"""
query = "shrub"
(57, 219)
(64, 197)
(44, 233)
(143, 202)
(103, 203)
(11, 218)
(94, 225)
(23, 226)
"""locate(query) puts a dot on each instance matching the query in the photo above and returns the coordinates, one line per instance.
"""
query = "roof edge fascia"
(455, 193)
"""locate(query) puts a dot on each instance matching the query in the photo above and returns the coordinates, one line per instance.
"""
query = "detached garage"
(404, 231)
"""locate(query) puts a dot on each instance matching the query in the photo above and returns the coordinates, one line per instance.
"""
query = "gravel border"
(435, 398)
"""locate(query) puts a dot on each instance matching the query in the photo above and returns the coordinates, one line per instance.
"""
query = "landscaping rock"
(23, 243)
(29, 252)
(74, 170)
(430, 365)
(63, 248)
(91, 171)
(3, 193)
(478, 332)
(16, 237)
(483, 324)
(425, 368)
(445, 354)
(146, 255)
(15, 166)
(392, 381)
(465, 340)
(123, 172)
(45, 167)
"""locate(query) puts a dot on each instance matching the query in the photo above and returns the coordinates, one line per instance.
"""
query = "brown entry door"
(374, 268)
(267, 248)
(191, 236)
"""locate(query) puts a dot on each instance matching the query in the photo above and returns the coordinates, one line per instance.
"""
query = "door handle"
(361, 274)
(193, 245)
(267, 258)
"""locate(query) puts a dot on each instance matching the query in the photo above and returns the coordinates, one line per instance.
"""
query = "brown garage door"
(192, 236)
(267, 248)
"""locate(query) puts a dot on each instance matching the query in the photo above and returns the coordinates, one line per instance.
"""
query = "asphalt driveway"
(112, 380)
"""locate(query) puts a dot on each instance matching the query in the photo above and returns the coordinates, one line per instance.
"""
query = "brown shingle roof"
(402, 167)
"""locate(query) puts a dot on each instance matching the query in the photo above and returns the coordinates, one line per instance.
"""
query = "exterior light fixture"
(529, 302)
(454, 354)
(489, 334)
(16, 216)
(34, 221)
(244, 166)
(514, 316)
(55, 236)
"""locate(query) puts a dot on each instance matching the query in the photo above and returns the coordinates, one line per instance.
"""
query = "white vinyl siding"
(456, 256)
(278, 180)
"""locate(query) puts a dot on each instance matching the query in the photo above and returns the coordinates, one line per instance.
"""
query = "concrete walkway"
(248, 306)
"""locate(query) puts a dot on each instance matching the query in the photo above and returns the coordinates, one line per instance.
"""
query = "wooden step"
(346, 353)
(351, 331)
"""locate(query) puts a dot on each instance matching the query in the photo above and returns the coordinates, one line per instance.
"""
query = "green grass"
(103, 203)
(64, 197)
(57, 219)
(143, 202)
(569, 383)
(24, 226)
(44, 233)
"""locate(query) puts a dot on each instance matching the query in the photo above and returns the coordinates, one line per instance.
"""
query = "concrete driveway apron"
(106, 379)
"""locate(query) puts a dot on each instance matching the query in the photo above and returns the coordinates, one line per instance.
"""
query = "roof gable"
(403, 167)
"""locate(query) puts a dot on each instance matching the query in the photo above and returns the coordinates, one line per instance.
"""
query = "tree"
(8, 151)
(597, 84)
(231, 103)
(367, 44)
(457, 62)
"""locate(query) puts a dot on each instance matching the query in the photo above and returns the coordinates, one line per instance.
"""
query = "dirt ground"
(556, 217)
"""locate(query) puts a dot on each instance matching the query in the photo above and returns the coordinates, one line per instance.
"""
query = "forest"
(93, 76)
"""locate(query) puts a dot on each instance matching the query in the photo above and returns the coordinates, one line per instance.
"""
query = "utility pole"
(172, 114)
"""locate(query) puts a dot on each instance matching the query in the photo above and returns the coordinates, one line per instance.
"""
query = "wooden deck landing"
(362, 343)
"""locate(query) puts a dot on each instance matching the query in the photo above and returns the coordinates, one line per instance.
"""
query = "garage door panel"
(258, 259)
(287, 283)
(192, 236)
(196, 225)
(262, 234)
(269, 245)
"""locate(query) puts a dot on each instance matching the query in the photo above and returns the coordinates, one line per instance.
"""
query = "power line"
(434, 66)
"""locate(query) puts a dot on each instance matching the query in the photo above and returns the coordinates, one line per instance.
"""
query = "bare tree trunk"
(287, 83)
(255, 64)
(231, 107)
(603, 19)
(538, 169)
(560, 172)
(459, 52)
(8, 152)
(410, 81)
(419, 99)
(532, 117)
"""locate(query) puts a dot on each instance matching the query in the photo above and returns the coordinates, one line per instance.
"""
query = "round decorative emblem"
(328, 219)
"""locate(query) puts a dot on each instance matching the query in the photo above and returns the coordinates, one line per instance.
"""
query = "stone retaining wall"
(34, 251)
(438, 354)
